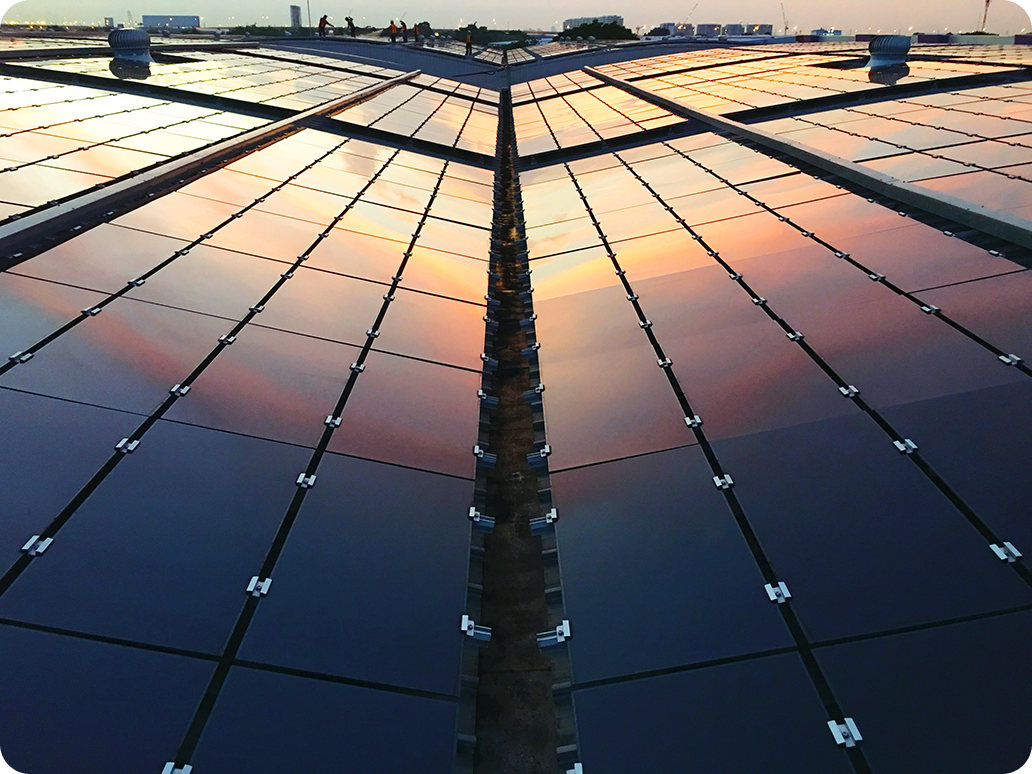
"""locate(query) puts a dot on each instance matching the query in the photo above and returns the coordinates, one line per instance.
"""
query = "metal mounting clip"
(554, 637)
(849, 391)
(845, 733)
(544, 523)
(332, 421)
(258, 587)
(1007, 552)
(180, 390)
(227, 339)
(906, 446)
(930, 309)
(795, 336)
(126, 446)
(481, 634)
(358, 368)
(1010, 360)
(92, 311)
(693, 421)
(664, 363)
(170, 768)
(35, 546)
(779, 593)
(20, 357)
(723, 482)
(485, 523)
(305, 482)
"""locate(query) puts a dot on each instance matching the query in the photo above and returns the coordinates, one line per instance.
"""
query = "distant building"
(708, 30)
(295, 16)
(678, 30)
(733, 29)
(759, 29)
(577, 22)
(822, 32)
(109, 22)
(172, 22)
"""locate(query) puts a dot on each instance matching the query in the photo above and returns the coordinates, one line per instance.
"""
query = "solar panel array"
(787, 422)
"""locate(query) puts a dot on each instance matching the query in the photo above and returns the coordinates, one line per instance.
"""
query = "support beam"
(993, 222)
(50, 225)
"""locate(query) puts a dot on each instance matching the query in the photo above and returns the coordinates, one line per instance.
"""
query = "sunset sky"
(885, 15)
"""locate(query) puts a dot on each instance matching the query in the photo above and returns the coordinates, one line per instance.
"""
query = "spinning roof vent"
(130, 45)
(889, 51)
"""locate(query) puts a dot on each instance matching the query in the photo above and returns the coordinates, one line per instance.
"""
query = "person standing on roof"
(323, 24)
(351, 26)
(469, 42)
(415, 35)
(394, 32)
(404, 32)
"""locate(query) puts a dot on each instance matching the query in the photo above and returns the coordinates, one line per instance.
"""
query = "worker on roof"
(404, 32)
(394, 32)
(323, 24)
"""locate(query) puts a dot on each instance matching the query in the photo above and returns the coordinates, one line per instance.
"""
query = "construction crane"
(784, 17)
(985, 16)
(686, 18)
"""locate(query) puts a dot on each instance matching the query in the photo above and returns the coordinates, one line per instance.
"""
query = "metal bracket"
(577, 769)
(258, 587)
(487, 458)
(35, 546)
(287, 274)
(779, 593)
(645, 324)
(388, 297)
(372, 334)
(1007, 552)
(227, 339)
(849, 391)
(20, 357)
(93, 311)
(358, 368)
(930, 309)
(332, 421)
(136, 283)
(795, 336)
(544, 523)
(876, 276)
(481, 634)
(664, 363)
(845, 733)
(180, 390)
(906, 446)
(759, 301)
(170, 768)
(735, 276)
(554, 637)
(126, 446)
(723, 482)
(305, 482)
(693, 421)
(486, 523)
(1010, 360)
(632, 296)
(258, 308)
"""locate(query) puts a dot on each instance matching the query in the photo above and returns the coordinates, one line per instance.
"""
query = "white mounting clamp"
(1007, 552)
(845, 733)
(779, 593)
(258, 587)
(35, 546)
(554, 637)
